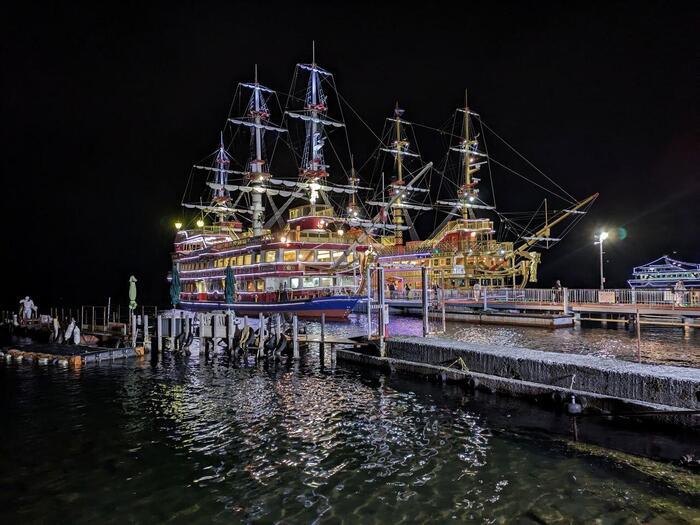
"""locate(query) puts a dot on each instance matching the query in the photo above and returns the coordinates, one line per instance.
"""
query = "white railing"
(551, 296)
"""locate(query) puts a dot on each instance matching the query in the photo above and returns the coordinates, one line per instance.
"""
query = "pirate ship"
(465, 250)
(285, 270)
(314, 260)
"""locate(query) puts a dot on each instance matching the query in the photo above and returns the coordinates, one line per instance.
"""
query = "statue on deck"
(28, 308)
(69, 331)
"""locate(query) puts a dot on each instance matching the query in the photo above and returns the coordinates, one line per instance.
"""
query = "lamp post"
(601, 239)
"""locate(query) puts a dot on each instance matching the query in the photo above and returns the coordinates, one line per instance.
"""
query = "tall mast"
(466, 160)
(256, 118)
(256, 165)
(222, 162)
(397, 215)
(314, 115)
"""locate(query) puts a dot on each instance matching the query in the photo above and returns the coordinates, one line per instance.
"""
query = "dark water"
(184, 440)
(665, 345)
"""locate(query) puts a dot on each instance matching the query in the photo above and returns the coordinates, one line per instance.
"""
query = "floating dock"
(69, 355)
(669, 393)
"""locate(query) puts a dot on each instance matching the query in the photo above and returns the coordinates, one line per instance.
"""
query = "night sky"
(105, 109)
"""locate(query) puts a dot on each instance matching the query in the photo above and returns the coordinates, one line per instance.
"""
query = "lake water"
(186, 440)
(665, 345)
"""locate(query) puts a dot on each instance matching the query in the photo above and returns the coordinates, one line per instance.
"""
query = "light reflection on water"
(664, 345)
(192, 441)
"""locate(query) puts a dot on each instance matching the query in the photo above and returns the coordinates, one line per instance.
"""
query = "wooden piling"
(230, 328)
(261, 333)
(159, 333)
(295, 337)
(146, 336)
(172, 331)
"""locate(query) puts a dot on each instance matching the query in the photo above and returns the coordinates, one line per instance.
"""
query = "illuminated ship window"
(323, 256)
(248, 259)
(337, 255)
(290, 256)
(259, 285)
(306, 255)
(239, 260)
(270, 256)
(295, 282)
(326, 281)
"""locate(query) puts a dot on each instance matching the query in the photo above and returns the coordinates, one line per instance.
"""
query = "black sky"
(105, 108)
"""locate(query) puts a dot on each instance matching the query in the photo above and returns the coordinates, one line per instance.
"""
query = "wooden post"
(172, 331)
(323, 330)
(424, 284)
(369, 301)
(278, 328)
(230, 327)
(146, 336)
(159, 333)
(261, 334)
(639, 339)
(295, 337)
(198, 320)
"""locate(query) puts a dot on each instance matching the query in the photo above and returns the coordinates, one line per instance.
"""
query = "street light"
(200, 223)
(601, 239)
(178, 225)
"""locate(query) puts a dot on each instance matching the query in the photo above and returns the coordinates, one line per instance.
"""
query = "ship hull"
(334, 307)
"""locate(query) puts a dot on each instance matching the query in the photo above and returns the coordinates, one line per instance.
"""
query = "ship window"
(247, 259)
(239, 260)
(436, 262)
(257, 257)
(326, 281)
(294, 282)
(459, 260)
(323, 256)
(270, 256)
(250, 286)
(306, 255)
(311, 282)
(351, 257)
(290, 256)
(337, 255)
(259, 285)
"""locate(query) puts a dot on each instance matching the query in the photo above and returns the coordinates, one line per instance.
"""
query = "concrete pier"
(607, 384)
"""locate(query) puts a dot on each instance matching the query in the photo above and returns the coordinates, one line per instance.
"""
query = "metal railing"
(552, 296)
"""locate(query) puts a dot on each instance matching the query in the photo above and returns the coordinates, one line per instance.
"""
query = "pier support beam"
(295, 337)
(424, 285)
(159, 333)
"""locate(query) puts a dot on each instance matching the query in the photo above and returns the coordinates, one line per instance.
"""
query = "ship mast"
(256, 118)
(397, 215)
(467, 169)
(314, 115)
(221, 195)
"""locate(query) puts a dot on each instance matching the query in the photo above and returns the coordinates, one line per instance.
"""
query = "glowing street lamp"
(200, 223)
(178, 225)
(601, 239)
